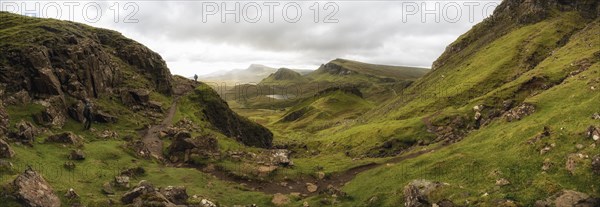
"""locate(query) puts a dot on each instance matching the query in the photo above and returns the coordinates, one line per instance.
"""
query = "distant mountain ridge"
(253, 74)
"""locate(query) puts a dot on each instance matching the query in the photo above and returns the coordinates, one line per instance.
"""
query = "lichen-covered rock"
(417, 193)
(175, 194)
(77, 155)
(519, 112)
(25, 133)
(144, 187)
(32, 190)
(5, 150)
(65, 138)
(183, 147)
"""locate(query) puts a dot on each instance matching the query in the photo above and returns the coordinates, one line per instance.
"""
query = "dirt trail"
(299, 185)
(152, 136)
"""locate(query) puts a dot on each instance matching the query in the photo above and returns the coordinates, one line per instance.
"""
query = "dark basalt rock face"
(65, 61)
(217, 112)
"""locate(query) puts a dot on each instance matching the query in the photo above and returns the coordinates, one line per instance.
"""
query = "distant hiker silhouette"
(196, 77)
(87, 113)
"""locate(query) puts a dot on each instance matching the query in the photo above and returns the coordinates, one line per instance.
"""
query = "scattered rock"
(547, 164)
(69, 165)
(4, 120)
(596, 116)
(207, 203)
(502, 182)
(71, 194)
(141, 189)
(177, 195)
(108, 134)
(596, 164)
(31, 189)
(264, 171)
(132, 97)
(139, 148)
(6, 167)
(519, 112)
(593, 133)
(5, 150)
(334, 192)
(122, 181)
(417, 192)
(545, 133)
(77, 155)
(571, 163)
(133, 172)
(281, 157)
(311, 188)
(65, 138)
(107, 188)
(280, 199)
(320, 175)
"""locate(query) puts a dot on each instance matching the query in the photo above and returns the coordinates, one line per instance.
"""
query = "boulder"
(311, 188)
(53, 114)
(139, 148)
(132, 97)
(103, 117)
(153, 198)
(207, 203)
(175, 194)
(69, 165)
(77, 155)
(183, 147)
(133, 172)
(417, 193)
(264, 171)
(6, 167)
(502, 182)
(25, 133)
(281, 157)
(65, 138)
(143, 188)
(107, 189)
(280, 199)
(519, 112)
(122, 181)
(593, 133)
(32, 190)
(71, 194)
(5, 150)
(568, 198)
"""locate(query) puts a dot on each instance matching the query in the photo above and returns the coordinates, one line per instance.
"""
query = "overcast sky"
(193, 37)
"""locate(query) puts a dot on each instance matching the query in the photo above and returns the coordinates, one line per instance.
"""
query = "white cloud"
(384, 32)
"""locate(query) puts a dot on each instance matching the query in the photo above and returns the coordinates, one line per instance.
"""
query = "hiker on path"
(196, 77)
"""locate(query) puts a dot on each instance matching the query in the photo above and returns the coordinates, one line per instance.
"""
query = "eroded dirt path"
(152, 139)
(298, 185)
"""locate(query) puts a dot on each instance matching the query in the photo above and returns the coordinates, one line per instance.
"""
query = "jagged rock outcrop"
(184, 147)
(32, 190)
(217, 112)
(71, 61)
